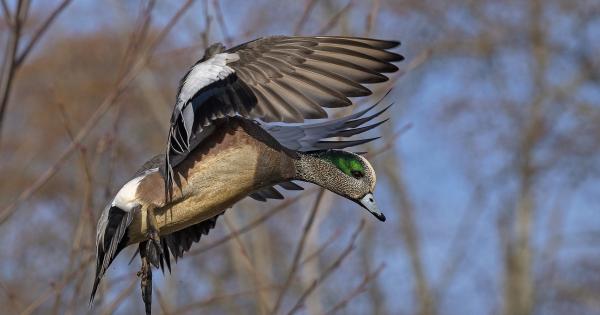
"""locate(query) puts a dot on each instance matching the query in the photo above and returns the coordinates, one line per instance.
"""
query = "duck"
(238, 129)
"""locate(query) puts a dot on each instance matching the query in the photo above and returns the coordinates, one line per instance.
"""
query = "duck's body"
(221, 149)
(241, 152)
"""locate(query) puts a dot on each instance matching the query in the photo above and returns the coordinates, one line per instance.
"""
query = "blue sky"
(438, 166)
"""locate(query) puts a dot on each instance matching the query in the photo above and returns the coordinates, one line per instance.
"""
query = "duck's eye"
(357, 174)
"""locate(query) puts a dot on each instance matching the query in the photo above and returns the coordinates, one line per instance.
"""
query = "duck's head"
(347, 174)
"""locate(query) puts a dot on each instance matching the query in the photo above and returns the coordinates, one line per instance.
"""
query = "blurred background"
(487, 171)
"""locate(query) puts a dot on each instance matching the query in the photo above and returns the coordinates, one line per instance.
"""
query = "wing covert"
(274, 79)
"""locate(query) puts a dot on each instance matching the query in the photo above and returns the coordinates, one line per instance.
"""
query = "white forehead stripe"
(207, 72)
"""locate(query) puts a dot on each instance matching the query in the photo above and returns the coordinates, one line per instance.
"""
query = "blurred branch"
(208, 301)
(121, 85)
(258, 221)
(120, 298)
(40, 31)
(258, 277)
(335, 265)
(362, 287)
(310, 4)
(410, 236)
(9, 64)
(390, 142)
(6, 13)
(15, 304)
(372, 17)
(299, 249)
(162, 303)
(458, 248)
(323, 246)
(221, 20)
(207, 24)
(134, 47)
(54, 287)
(335, 18)
(77, 236)
(519, 284)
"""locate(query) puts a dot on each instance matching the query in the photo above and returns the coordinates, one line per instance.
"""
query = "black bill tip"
(380, 216)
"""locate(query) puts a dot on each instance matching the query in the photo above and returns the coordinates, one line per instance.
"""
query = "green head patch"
(348, 163)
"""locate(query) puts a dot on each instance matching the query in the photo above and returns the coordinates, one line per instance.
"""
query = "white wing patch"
(205, 73)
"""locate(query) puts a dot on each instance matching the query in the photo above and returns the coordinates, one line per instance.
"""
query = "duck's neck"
(313, 168)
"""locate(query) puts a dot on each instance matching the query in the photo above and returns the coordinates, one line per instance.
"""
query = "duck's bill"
(368, 202)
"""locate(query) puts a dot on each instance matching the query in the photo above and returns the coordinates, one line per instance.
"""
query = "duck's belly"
(213, 186)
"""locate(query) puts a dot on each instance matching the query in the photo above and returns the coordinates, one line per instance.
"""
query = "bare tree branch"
(298, 251)
(310, 4)
(335, 265)
(356, 291)
(110, 309)
(6, 12)
(9, 64)
(258, 221)
(335, 18)
(40, 31)
(221, 20)
(121, 86)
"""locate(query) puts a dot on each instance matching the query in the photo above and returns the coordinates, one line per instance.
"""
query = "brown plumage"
(203, 189)
(221, 148)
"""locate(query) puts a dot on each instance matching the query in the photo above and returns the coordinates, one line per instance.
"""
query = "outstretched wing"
(285, 79)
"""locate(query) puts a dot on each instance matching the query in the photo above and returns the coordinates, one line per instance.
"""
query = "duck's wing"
(284, 79)
(111, 238)
(111, 230)
(311, 137)
(271, 192)
(179, 242)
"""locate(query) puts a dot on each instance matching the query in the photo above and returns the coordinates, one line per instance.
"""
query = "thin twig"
(259, 278)
(335, 18)
(372, 17)
(162, 303)
(13, 300)
(120, 298)
(195, 305)
(310, 4)
(40, 31)
(9, 65)
(221, 20)
(56, 287)
(258, 221)
(390, 143)
(323, 246)
(121, 86)
(322, 277)
(358, 290)
(299, 250)
(6, 12)
(134, 47)
(205, 35)
(87, 200)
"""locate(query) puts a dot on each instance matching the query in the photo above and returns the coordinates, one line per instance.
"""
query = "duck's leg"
(145, 275)
(153, 232)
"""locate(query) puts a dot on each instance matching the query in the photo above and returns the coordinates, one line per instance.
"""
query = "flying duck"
(223, 146)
